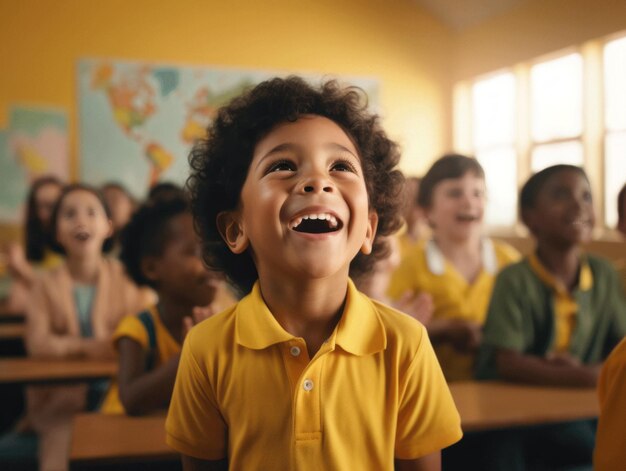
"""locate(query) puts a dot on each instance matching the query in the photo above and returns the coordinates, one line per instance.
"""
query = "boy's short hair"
(220, 162)
(147, 234)
(532, 187)
(107, 246)
(447, 166)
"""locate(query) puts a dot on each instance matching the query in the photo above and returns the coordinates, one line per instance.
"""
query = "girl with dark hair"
(72, 312)
(22, 262)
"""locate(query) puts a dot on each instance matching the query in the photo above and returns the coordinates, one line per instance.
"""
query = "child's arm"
(464, 335)
(142, 391)
(195, 464)
(19, 267)
(42, 341)
(559, 370)
(430, 462)
(419, 306)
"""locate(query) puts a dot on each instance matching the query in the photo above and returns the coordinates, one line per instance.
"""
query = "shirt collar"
(436, 261)
(585, 277)
(360, 330)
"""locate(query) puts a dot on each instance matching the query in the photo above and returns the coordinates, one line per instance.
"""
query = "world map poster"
(34, 144)
(138, 121)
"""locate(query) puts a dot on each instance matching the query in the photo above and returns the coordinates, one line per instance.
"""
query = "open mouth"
(579, 222)
(466, 218)
(81, 236)
(316, 224)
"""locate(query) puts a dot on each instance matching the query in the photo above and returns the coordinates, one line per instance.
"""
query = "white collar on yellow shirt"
(437, 262)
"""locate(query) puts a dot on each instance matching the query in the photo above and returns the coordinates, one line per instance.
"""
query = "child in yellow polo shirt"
(554, 315)
(457, 266)
(415, 225)
(290, 191)
(610, 452)
(159, 249)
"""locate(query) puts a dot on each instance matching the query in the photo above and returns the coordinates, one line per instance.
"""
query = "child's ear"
(149, 268)
(372, 225)
(231, 231)
(527, 218)
(110, 230)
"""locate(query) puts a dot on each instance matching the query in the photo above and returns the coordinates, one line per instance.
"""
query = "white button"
(307, 385)
(295, 351)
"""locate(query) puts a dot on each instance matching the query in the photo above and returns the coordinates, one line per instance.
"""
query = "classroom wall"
(532, 29)
(395, 41)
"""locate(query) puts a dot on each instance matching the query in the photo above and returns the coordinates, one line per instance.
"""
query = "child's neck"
(84, 269)
(465, 255)
(562, 262)
(172, 313)
(310, 310)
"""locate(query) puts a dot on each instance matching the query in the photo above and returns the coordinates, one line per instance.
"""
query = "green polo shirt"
(522, 316)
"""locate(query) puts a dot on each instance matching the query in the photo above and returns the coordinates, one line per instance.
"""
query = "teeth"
(332, 220)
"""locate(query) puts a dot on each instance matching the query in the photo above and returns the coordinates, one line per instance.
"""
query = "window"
(615, 122)
(493, 105)
(567, 109)
(556, 94)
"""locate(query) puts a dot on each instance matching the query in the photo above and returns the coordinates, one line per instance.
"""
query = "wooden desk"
(482, 405)
(12, 331)
(109, 439)
(493, 405)
(49, 371)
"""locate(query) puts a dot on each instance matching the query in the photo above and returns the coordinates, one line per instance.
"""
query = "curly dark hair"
(219, 163)
(147, 234)
(447, 166)
(107, 246)
(37, 236)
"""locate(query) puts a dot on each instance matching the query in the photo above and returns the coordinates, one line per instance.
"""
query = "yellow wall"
(405, 48)
(535, 28)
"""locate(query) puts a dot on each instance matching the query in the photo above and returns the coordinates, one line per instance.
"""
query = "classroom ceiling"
(462, 14)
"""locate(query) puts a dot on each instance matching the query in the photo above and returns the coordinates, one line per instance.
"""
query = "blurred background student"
(554, 315)
(610, 452)
(72, 313)
(161, 250)
(19, 262)
(457, 265)
(122, 205)
(375, 284)
(620, 264)
(416, 226)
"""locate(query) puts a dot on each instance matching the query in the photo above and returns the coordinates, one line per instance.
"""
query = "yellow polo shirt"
(610, 452)
(426, 269)
(406, 244)
(246, 390)
(565, 307)
(167, 347)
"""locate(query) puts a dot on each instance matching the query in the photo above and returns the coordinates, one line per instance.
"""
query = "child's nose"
(317, 184)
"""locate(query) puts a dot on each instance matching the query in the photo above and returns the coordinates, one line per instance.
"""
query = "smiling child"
(555, 315)
(72, 313)
(457, 266)
(291, 190)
